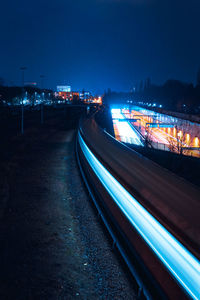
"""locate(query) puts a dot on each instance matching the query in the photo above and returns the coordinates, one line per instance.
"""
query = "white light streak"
(126, 132)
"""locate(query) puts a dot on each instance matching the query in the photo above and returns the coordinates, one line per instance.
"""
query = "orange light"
(187, 138)
(180, 134)
(196, 142)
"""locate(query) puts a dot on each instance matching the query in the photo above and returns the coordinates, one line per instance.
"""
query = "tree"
(141, 88)
(1, 81)
(148, 83)
(148, 136)
(178, 143)
(198, 77)
(75, 99)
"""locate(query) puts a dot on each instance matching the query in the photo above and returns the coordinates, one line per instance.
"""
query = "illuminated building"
(65, 95)
(64, 92)
(75, 94)
(64, 88)
(85, 95)
(97, 100)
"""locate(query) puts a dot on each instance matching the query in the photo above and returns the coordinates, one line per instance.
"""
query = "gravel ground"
(52, 244)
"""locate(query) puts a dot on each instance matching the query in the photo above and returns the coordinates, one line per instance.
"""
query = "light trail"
(184, 267)
(124, 129)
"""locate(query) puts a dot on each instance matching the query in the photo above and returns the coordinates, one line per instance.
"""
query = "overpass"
(151, 214)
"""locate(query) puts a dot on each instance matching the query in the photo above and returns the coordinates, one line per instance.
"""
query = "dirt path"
(52, 245)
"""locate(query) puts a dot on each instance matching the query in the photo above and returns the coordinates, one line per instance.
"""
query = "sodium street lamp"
(22, 104)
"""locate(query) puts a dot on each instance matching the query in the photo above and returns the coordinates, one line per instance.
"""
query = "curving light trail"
(177, 259)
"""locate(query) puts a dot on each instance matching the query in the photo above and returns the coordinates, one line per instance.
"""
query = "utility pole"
(22, 104)
(35, 98)
(42, 104)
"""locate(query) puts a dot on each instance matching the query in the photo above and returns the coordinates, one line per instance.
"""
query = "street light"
(35, 98)
(22, 104)
(42, 103)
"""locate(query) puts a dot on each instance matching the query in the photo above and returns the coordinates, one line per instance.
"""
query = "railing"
(177, 259)
(188, 151)
(159, 146)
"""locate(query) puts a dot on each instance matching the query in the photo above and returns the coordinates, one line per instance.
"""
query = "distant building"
(85, 95)
(75, 95)
(64, 92)
(65, 95)
(64, 88)
(68, 96)
(30, 83)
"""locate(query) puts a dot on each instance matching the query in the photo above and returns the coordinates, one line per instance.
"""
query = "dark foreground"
(52, 244)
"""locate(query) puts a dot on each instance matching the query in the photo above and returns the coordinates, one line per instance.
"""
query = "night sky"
(99, 44)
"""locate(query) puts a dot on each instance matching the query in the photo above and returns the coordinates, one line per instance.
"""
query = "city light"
(180, 134)
(187, 138)
(196, 142)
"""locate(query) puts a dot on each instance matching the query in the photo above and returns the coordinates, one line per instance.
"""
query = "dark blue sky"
(96, 44)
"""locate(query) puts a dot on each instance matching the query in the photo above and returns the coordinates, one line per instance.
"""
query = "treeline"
(8, 93)
(172, 95)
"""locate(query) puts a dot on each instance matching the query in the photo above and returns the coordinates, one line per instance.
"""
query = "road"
(133, 183)
(160, 189)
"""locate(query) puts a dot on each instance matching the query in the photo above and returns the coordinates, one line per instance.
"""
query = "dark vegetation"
(104, 119)
(172, 95)
(10, 120)
(9, 93)
(184, 166)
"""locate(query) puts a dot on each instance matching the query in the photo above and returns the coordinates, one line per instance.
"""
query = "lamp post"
(42, 103)
(35, 98)
(42, 109)
(22, 104)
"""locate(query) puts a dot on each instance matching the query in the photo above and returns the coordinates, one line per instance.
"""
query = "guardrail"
(172, 258)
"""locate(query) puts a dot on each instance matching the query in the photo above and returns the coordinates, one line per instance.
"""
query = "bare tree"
(178, 143)
(198, 77)
(148, 136)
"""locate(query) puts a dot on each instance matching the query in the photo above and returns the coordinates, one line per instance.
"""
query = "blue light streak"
(125, 130)
(177, 259)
